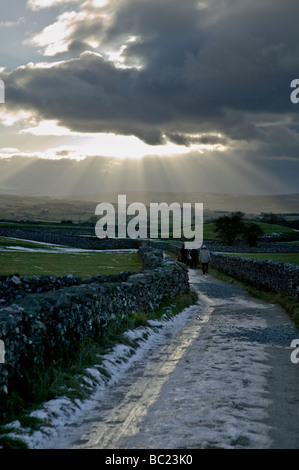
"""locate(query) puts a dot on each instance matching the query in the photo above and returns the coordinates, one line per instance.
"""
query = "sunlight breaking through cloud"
(205, 83)
(112, 145)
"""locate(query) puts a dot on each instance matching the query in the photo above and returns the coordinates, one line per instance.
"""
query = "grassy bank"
(72, 379)
(28, 258)
(292, 258)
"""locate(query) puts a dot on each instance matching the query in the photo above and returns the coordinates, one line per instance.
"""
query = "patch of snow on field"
(61, 249)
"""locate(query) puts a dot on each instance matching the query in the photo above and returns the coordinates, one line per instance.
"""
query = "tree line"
(233, 227)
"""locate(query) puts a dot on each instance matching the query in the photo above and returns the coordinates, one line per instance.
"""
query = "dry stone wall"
(269, 275)
(43, 327)
(14, 287)
(78, 238)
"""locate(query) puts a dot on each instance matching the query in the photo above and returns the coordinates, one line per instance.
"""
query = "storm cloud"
(204, 86)
(192, 68)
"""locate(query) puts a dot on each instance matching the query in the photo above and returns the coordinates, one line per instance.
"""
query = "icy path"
(220, 378)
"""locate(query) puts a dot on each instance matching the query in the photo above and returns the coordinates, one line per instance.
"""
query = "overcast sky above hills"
(148, 94)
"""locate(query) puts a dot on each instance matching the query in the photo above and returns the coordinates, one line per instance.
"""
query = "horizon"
(46, 208)
(7, 192)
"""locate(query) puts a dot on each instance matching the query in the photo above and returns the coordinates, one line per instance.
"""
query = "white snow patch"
(253, 303)
(61, 412)
(61, 249)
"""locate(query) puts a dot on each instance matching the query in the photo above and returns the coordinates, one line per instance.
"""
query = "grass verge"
(288, 303)
(83, 264)
(71, 379)
(292, 258)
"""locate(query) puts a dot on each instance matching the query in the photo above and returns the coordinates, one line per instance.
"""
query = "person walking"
(204, 258)
(194, 258)
(183, 254)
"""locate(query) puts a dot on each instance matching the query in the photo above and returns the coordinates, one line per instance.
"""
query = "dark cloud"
(205, 139)
(205, 70)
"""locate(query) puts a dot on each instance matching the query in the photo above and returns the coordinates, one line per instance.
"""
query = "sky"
(153, 95)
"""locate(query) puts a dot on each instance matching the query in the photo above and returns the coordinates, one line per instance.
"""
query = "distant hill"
(282, 204)
(82, 207)
(44, 209)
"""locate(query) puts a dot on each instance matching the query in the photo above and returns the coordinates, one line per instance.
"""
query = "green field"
(272, 228)
(279, 257)
(210, 234)
(6, 242)
(50, 259)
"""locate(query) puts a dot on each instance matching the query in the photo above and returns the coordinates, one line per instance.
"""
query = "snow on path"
(213, 376)
(61, 413)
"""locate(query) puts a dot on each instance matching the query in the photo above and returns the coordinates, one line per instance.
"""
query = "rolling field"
(37, 259)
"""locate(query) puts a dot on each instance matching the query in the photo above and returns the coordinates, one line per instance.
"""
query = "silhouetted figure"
(194, 258)
(188, 258)
(204, 258)
(184, 254)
